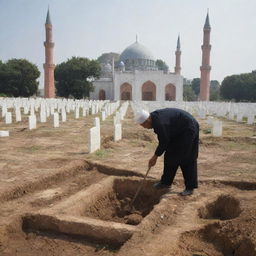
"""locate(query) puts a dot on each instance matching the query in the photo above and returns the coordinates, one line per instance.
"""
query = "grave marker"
(4, 133)
(217, 128)
(32, 122)
(8, 117)
(117, 132)
(94, 139)
(56, 122)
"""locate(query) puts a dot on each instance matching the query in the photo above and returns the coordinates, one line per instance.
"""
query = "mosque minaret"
(177, 68)
(49, 88)
(205, 68)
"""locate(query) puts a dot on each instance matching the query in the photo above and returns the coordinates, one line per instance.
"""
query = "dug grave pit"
(115, 205)
(99, 213)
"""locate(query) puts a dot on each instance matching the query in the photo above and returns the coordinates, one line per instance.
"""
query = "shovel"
(129, 208)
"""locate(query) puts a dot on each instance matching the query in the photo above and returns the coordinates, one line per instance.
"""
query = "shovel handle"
(139, 188)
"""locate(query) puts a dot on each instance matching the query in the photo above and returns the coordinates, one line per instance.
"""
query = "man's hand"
(152, 161)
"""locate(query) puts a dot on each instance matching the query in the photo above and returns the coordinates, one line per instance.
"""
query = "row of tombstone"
(53, 108)
(56, 109)
(232, 111)
(94, 140)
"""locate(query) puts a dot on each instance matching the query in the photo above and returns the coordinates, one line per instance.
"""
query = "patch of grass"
(207, 131)
(102, 153)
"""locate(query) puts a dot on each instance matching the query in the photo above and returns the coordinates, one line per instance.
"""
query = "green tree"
(107, 57)
(188, 93)
(74, 77)
(196, 85)
(239, 87)
(214, 90)
(18, 77)
(162, 65)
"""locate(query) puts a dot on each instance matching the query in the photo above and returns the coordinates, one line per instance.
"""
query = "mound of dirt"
(224, 208)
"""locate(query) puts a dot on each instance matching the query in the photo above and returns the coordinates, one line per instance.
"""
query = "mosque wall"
(138, 78)
(102, 84)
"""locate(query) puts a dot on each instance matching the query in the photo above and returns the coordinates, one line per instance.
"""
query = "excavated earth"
(56, 199)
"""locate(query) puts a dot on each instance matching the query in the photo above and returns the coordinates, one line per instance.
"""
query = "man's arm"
(152, 161)
(162, 140)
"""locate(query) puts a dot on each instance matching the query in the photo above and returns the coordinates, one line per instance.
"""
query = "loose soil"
(42, 167)
(116, 205)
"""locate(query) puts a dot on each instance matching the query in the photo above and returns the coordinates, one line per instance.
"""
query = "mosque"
(135, 76)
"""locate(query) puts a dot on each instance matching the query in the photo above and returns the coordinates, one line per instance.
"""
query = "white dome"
(136, 51)
(137, 57)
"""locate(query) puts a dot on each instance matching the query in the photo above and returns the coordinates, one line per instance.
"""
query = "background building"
(136, 77)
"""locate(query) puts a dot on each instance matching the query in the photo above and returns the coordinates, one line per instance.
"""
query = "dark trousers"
(185, 158)
(189, 171)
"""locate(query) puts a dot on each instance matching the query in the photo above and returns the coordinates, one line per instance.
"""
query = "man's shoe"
(160, 185)
(187, 192)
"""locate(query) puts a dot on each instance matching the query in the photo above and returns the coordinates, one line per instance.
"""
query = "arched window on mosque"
(148, 91)
(170, 92)
(102, 94)
(125, 91)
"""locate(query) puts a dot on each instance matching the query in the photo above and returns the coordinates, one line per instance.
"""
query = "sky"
(88, 28)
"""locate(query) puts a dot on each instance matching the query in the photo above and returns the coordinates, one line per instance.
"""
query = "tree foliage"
(18, 78)
(188, 93)
(162, 65)
(107, 57)
(214, 90)
(239, 87)
(74, 77)
(196, 85)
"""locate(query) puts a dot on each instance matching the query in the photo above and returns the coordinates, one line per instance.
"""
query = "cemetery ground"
(57, 199)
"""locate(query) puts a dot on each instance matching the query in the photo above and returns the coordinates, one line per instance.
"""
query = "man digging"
(178, 136)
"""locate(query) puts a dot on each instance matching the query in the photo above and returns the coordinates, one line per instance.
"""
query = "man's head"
(143, 118)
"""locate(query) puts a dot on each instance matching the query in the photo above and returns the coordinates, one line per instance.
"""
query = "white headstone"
(8, 117)
(17, 114)
(52, 110)
(117, 132)
(56, 122)
(231, 115)
(47, 111)
(93, 109)
(42, 115)
(84, 111)
(32, 110)
(94, 139)
(217, 128)
(4, 133)
(26, 109)
(103, 115)
(77, 112)
(117, 118)
(239, 117)
(4, 110)
(250, 119)
(63, 115)
(32, 122)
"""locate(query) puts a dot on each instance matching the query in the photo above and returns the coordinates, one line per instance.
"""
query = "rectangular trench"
(96, 213)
